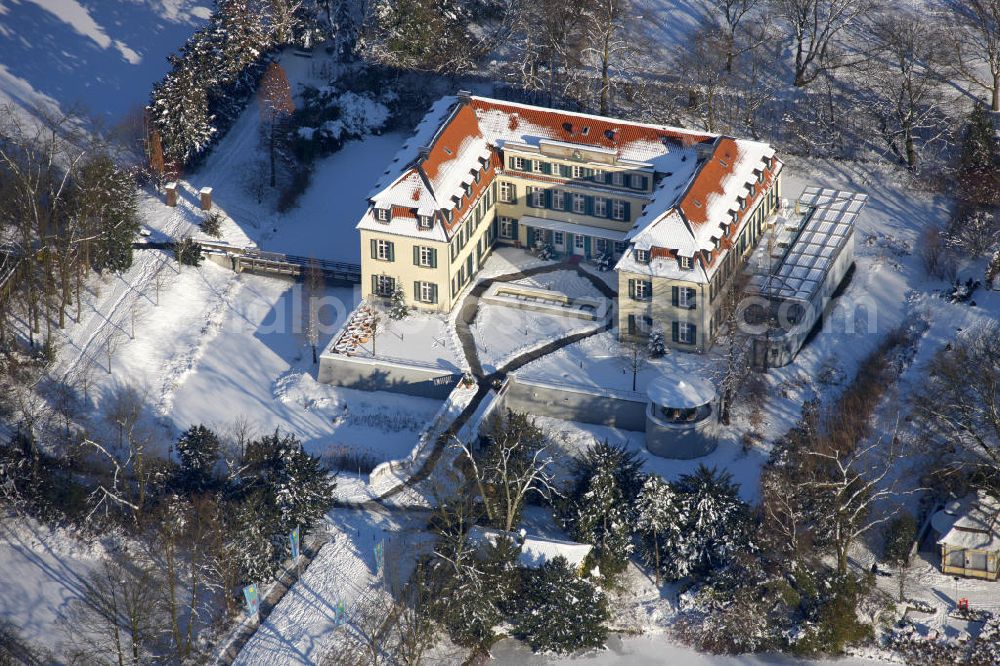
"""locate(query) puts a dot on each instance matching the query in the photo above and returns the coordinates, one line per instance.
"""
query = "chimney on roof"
(464, 96)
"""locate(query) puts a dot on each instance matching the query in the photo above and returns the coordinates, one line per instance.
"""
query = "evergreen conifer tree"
(660, 520)
(198, 453)
(559, 611)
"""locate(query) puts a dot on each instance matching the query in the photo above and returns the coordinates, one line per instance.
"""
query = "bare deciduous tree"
(117, 621)
(903, 81)
(815, 26)
(513, 464)
(977, 44)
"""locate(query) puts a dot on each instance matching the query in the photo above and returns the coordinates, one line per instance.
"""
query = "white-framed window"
(635, 181)
(537, 198)
(576, 171)
(519, 163)
(685, 333)
(558, 200)
(506, 227)
(620, 247)
(685, 263)
(558, 238)
(507, 192)
(685, 297)
(426, 292)
(579, 204)
(425, 257)
(600, 207)
(642, 256)
(642, 290)
(538, 166)
(617, 209)
(382, 214)
(425, 221)
(383, 285)
(578, 241)
(598, 176)
(618, 178)
(383, 250)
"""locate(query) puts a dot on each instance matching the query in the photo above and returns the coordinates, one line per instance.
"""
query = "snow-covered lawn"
(421, 338)
(650, 650)
(302, 627)
(104, 56)
(42, 571)
(502, 332)
(258, 366)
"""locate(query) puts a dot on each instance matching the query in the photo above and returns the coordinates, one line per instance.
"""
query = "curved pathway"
(463, 327)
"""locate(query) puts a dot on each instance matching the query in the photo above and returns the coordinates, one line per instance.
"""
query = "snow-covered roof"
(699, 175)
(535, 550)
(975, 524)
(680, 392)
(799, 274)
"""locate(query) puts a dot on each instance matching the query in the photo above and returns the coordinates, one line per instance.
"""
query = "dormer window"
(477, 174)
(742, 201)
(382, 214)
(686, 263)
(642, 256)
(598, 176)
(734, 216)
(618, 178)
(752, 189)
(425, 221)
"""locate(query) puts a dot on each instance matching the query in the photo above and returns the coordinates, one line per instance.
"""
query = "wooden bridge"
(255, 260)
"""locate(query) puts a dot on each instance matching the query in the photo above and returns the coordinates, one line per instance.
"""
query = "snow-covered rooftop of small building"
(799, 274)
(973, 523)
(535, 550)
(680, 392)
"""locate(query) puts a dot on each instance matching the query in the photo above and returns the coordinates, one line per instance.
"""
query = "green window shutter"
(374, 249)
(628, 210)
(631, 324)
(548, 198)
(434, 293)
(675, 336)
(674, 296)
(588, 205)
(513, 193)
(631, 288)
(416, 291)
(416, 255)
(392, 252)
(434, 258)
(692, 296)
(694, 333)
(374, 284)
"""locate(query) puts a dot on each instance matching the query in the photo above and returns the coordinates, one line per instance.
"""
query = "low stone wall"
(619, 409)
(374, 375)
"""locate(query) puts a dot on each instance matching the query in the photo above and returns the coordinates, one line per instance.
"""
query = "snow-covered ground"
(303, 626)
(99, 55)
(650, 650)
(42, 570)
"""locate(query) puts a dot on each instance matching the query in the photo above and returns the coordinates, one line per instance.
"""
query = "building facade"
(674, 212)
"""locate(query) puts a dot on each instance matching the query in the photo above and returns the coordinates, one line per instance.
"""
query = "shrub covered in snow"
(211, 224)
(398, 309)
